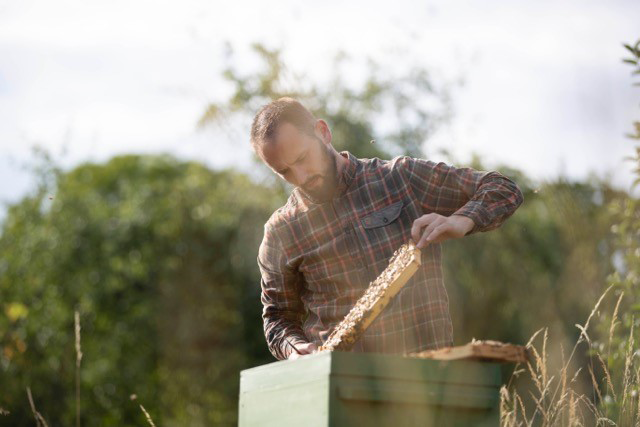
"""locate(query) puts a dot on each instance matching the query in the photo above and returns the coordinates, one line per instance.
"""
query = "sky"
(544, 89)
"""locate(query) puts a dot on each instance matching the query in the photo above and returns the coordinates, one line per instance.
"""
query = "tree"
(406, 101)
(156, 254)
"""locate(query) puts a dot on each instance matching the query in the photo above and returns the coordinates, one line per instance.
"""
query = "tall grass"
(144, 411)
(40, 421)
(78, 360)
(558, 400)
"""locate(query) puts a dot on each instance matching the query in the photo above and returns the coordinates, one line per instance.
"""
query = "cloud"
(545, 86)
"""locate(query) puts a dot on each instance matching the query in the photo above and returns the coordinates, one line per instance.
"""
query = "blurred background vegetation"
(158, 257)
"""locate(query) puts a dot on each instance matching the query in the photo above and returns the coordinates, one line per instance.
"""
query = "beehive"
(402, 265)
(347, 389)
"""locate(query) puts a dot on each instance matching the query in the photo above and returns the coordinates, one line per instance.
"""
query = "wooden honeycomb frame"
(485, 350)
(402, 265)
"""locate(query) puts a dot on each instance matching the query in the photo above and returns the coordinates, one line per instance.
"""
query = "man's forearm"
(282, 333)
(496, 199)
(487, 198)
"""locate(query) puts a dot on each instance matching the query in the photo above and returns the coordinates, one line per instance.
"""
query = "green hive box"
(370, 389)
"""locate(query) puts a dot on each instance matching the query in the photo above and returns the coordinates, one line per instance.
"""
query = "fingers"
(435, 234)
(307, 348)
(433, 227)
(427, 232)
(424, 237)
(293, 356)
(302, 349)
(420, 223)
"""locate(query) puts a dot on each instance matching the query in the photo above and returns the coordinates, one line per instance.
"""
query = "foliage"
(557, 396)
(406, 101)
(541, 268)
(610, 369)
(156, 254)
(625, 215)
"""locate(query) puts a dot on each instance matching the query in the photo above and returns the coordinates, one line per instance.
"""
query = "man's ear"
(322, 131)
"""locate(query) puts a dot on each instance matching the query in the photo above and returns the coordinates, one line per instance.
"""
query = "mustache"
(310, 180)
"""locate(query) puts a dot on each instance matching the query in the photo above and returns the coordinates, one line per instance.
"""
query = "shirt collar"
(344, 180)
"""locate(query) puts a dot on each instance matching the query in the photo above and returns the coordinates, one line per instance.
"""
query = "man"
(343, 221)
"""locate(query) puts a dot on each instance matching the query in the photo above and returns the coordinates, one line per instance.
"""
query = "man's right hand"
(303, 348)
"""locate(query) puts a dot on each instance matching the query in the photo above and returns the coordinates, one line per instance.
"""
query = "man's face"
(302, 160)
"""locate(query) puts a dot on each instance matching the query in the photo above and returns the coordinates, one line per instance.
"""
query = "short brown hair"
(281, 110)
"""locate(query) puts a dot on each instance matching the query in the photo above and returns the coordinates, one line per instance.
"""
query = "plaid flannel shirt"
(316, 259)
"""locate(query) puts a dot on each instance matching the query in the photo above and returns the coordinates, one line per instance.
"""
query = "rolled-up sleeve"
(283, 310)
(487, 197)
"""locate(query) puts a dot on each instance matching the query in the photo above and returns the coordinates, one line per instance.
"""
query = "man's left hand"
(433, 227)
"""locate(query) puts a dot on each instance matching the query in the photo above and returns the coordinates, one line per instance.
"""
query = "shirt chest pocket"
(384, 231)
(383, 216)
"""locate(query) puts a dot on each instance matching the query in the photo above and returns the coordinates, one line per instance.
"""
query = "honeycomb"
(402, 265)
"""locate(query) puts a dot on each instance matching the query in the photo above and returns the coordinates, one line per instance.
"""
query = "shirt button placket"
(352, 255)
(357, 255)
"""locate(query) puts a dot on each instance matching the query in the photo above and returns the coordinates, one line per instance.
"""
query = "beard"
(328, 179)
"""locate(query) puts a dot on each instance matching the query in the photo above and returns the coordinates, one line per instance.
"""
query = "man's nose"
(301, 178)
